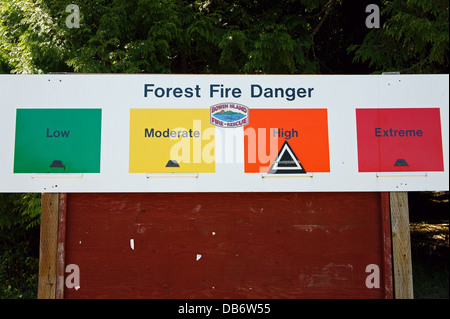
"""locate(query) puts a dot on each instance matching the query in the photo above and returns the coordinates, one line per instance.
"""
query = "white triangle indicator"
(286, 162)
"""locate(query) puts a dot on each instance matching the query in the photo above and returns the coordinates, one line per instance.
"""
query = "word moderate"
(171, 133)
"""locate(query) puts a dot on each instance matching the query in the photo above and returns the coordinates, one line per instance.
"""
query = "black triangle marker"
(172, 163)
(286, 162)
(57, 163)
(401, 162)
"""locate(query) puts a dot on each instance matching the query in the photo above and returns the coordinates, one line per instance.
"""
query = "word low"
(57, 133)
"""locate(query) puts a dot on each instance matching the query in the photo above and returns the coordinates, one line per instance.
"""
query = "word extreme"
(379, 132)
(171, 133)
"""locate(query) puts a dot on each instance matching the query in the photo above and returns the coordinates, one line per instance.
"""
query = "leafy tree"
(247, 36)
(413, 39)
(192, 37)
(176, 36)
(29, 42)
(19, 245)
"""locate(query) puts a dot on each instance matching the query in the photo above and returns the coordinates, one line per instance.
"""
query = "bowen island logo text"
(229, 115)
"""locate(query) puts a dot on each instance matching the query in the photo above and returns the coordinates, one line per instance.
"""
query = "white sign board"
(216, 133)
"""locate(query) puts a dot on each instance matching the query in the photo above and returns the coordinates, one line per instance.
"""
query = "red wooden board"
(228, 245)
(391, 140)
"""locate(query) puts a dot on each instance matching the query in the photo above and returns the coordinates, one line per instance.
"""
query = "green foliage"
(28, 37)
(20, 210)
(413, 39)
(247, 36)
(19, 245)
(18, 274)
(154, 36)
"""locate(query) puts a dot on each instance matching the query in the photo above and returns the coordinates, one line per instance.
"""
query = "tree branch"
(328, 9)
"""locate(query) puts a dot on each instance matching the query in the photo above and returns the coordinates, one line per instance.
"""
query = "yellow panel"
(171, 141)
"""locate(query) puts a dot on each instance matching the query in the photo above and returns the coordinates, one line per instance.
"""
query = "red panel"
(391, 140)
(229, 245)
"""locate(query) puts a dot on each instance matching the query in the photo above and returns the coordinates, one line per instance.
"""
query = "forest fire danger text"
(221, 91)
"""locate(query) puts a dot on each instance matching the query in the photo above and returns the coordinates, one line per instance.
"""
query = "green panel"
(58, 141)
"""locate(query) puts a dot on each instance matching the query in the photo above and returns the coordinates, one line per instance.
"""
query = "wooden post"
(60, 268)
(401, 241)
(48, 246)
(401, 246)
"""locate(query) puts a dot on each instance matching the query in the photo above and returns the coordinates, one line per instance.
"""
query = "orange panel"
(306, 131)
